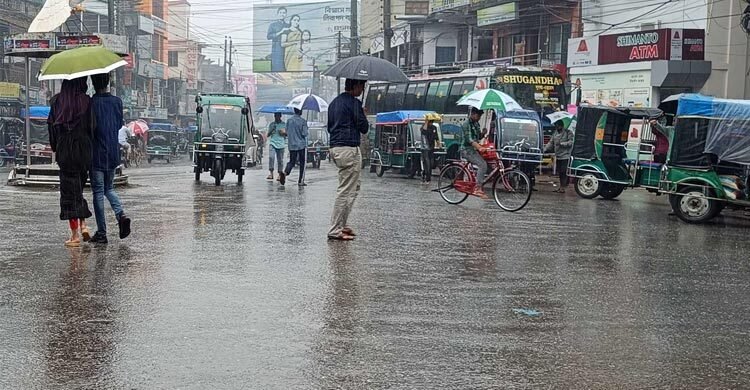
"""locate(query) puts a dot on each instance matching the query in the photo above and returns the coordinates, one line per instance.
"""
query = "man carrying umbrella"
(296, 131)
(472, 150)
(346, 121)
(561, 144)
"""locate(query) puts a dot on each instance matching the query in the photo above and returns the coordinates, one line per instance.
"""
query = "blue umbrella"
(276, 109)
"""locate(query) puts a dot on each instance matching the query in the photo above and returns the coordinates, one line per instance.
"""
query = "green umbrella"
(485, 99)
(80, 62)
(566, 118)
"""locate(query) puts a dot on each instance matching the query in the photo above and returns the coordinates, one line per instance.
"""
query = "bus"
(534, 88)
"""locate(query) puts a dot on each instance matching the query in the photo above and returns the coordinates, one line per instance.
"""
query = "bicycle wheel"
(449, 176)
(512, 190)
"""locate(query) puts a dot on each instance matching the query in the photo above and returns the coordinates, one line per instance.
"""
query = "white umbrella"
(310, 102)
(52, 15)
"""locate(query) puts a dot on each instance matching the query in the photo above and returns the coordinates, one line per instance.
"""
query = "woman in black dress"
(70, 132)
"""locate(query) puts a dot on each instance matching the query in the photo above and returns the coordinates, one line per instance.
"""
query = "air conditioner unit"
(651, 25)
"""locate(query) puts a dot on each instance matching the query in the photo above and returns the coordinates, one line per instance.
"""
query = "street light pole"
(387, 32)
(353, 34)
(28, 114)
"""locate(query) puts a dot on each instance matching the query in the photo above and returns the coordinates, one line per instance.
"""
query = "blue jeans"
(102, 184)
(275, 156)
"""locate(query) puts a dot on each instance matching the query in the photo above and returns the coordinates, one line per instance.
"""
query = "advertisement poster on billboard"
(291, 37)
(498, 14)
(629, 89)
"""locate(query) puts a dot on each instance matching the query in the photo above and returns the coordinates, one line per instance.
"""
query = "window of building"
(172, 58)
(157, 8)
(558, 43)
(445, 55)
(156, 48)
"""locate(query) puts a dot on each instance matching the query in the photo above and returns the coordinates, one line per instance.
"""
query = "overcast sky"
(213, 19)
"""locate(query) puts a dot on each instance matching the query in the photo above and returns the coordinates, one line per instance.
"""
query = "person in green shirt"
(471, 149)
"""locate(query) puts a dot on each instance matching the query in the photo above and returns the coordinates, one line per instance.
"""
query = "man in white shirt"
(122, 139)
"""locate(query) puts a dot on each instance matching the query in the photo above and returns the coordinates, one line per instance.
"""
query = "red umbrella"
(138, 127)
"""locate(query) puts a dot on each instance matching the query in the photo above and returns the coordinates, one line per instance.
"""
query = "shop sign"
(71, 41)
(155, 113)
(27, 43)
(629, 89)
(651, 45)
(10, 91)
(498, 14)
(442, 5)
(583, 52)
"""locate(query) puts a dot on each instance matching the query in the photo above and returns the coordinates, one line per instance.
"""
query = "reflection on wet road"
(237, 287)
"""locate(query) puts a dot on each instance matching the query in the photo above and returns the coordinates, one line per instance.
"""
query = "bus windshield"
(543, 92)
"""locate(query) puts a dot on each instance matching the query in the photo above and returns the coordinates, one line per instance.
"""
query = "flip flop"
(72, 244)
(341, 237)
(85, 234)
(348, 232)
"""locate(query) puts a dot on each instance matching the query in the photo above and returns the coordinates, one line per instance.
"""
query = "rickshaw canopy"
(707, 125)
(397, 117)
(616, 121)
(36, 112)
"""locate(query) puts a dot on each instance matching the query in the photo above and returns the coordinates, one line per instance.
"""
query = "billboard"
(651, 45)
(291, 37)
(583, 52)
(497, 14)
(442, 5)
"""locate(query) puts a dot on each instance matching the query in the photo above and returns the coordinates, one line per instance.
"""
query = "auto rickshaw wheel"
(611, 191)
(588, 186)
(380, 170)
(240, 174)
(694, 206)
(216, 172)
(412, 169)
(197, 171)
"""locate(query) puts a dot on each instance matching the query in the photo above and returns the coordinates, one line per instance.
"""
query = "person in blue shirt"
(296, 132)
(346, 123)
(276, 31)
(107, 110)
(276, 144)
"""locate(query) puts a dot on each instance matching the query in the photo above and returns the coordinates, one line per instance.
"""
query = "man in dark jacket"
(346, 122)
(107, 110)
(429, 136)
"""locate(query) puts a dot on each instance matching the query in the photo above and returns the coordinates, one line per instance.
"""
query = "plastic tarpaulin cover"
(400, 116)
(583, 144)
(726, 124)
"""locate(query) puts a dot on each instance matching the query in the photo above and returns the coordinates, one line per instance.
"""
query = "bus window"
(395, 95)
(370, 99)
(458, 89)
(442, 96)
(419, 96)
(430, 104)
(409, 97)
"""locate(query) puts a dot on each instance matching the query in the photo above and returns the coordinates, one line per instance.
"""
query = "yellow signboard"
(10, 90)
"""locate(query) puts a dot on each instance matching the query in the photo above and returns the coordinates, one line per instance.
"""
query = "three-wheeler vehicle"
(519, 138)
(317, 144)
(708, 165)
(10, 137)
(599, 160)
(41, 150)
(159, 144)
(397, 142)
(224, 140)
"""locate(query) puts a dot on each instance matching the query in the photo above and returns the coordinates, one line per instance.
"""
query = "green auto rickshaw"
(159, 145)
(397, 142)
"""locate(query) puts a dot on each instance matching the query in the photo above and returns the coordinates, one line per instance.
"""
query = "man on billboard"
(276, 31)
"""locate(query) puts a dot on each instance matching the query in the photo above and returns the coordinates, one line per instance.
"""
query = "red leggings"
(73, 224)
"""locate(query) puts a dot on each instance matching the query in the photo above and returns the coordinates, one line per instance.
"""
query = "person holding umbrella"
(70, 131)
(297, 132)
(276, 144)
(346, 123)
(561, 144)
(472, 150)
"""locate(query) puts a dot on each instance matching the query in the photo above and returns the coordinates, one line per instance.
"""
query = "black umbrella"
(669, 106)
(366, 68)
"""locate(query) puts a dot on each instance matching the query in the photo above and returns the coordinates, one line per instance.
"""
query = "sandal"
(341, 237)
(73, 243)
(480, 194)
(348, 231)
(85, 234)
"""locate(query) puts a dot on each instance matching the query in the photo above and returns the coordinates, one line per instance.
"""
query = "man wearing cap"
(429, 136)
(471, 149)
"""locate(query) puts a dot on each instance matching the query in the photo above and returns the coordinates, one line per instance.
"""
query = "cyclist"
(471, 149)
(122, 139)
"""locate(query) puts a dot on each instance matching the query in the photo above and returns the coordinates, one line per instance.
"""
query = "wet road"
(236, 287)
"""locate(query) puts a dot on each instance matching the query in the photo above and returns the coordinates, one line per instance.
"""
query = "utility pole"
(387, 31)
(226, 49)
(338, 58)
(353, 33)
(111, 16)
(229, 74)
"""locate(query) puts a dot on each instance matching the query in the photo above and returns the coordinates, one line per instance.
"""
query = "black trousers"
(426, 165)
(562, 171)
(294, 157)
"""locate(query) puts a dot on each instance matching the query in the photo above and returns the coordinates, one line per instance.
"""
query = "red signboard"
(78, 40)
(651, 45)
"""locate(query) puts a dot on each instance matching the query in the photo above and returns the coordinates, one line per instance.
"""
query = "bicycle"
(511, 188)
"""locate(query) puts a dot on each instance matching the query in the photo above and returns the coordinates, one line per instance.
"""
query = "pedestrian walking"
(346, 121)
(429, 136)
(297, 132)
(276, 145)
(70, 126)
(107, 110)
(561, 145)
(471, 149)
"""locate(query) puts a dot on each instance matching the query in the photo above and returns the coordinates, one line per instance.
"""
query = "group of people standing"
(83, 133)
